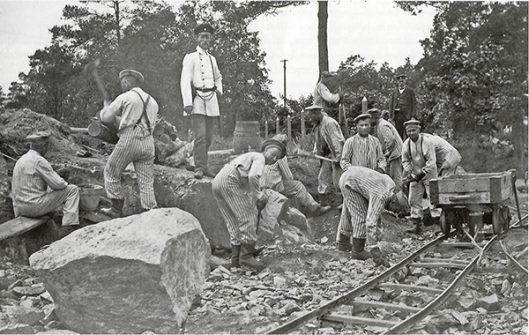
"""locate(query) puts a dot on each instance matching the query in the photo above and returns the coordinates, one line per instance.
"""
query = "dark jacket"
(405, 102)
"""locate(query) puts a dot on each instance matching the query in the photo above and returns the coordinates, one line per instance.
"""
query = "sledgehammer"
(92, 69)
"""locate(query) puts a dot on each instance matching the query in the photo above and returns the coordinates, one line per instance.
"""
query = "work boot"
(116, 211)
(344, 243)
(66, 230)
(321, 210)
(358, 251)
(235, 253)
(199, 174)
(247, 256)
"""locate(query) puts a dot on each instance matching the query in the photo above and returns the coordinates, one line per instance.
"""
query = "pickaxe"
(92, 69)
(304, 153)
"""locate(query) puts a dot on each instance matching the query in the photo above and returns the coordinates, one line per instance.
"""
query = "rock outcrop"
(129, 275)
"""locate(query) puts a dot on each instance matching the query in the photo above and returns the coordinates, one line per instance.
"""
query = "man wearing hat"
(424, 157)
(322, 94)
(366, 193)
(329, 142)
(239, 196)
(402, 105)
(136, 112)
(32, 176)
(278, 177)
(391, 145)
(363, 150)
(200, 84)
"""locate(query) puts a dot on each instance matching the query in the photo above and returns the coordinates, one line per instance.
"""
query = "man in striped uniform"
(362, 150)
(391, 146)
(329, 142)
(32, 176)
(239, 196)
(366, 193)
(424, 157)
(200, 84)
(278, 177)
(136, 113)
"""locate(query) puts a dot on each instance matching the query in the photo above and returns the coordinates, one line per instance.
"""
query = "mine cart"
(475, 199)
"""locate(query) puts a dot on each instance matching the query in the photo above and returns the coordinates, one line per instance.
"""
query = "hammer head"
(92, 66)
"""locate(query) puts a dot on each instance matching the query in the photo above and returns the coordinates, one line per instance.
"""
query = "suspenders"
(144, 113)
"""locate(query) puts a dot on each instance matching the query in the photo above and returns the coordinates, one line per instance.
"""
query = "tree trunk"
(323, 53)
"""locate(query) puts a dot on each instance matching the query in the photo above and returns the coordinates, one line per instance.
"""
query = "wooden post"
(289, 129)
(302, 125)
(266, 129)
(364, 105)
(277, 125)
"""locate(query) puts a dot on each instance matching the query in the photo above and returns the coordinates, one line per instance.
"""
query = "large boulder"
(129, 275)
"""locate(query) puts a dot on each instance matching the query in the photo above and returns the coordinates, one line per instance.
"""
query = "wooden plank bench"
(20, 225)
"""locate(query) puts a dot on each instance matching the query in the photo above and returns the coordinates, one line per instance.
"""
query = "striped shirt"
(273, 175)
(437, 153)
(32, 175)
(329, 138)
(363, 151)
(375, 187)
(129, 106)
(250, 167)
(389, 139)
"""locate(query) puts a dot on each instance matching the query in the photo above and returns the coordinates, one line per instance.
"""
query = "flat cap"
(361, 117)
(314, 108)
(400, 73)
(413, 123)
(132, 73)
(204, 28)
(271, 143)
(39, 135)
(374, 112)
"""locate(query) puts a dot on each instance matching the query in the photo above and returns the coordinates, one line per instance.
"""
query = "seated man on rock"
(238, 193)
(38, 190)
(278, 177)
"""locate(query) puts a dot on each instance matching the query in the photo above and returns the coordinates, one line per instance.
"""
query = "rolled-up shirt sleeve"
(254, 176)
(109, 113)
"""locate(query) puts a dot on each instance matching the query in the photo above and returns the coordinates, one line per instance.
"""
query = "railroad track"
(343, 310)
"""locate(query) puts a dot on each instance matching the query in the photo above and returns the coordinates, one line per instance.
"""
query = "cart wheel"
(497, 220)
(444, 220)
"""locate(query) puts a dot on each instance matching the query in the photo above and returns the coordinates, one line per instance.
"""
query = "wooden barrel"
(103, 132)
(246, 137)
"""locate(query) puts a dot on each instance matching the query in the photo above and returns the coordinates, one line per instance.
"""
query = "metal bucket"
(89, 196)
(103, 132)
(246, 137)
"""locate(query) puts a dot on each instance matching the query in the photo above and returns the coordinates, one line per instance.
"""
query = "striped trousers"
(135, 145)
(236, 205)
(68, 197)
(354, 214)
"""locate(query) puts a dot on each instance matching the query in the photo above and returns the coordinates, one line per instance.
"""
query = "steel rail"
(291, 325)
(427, 310)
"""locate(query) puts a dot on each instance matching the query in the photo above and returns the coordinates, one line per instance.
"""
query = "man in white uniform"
(201, 83)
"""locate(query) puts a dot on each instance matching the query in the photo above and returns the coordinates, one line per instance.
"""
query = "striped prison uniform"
(135, 145)
(278, 177)
(38, 190)
(435, 157)
(362, 151)
(365, 193)
(236, 189)
(392, 148)
(329, 142)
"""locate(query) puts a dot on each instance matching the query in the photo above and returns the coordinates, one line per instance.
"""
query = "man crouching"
(366, 193)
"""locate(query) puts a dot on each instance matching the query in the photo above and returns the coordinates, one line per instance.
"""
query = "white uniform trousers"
(329, 178)
(68, 197)
(236, 205)
(135, 145)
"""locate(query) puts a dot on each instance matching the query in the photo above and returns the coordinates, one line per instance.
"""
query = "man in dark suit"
(402, 105)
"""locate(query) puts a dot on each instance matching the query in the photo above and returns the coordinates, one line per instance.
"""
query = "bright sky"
(375, 29)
